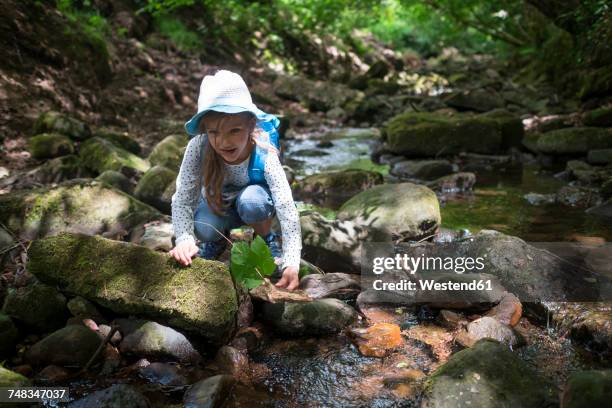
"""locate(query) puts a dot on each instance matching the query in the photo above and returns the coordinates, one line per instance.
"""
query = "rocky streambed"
(90, 300)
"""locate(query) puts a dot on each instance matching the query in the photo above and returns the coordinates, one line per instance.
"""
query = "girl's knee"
(206, 224)
(255, 204)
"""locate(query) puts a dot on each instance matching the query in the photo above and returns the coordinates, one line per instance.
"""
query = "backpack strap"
(268, 124)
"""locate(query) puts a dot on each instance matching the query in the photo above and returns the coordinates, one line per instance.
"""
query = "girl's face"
(229, 135)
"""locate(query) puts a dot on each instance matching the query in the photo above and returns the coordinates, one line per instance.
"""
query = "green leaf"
(246, 261)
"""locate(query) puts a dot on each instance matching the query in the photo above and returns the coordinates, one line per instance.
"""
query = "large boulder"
(430, 134)
(577, 140)
(487, 375)
(59, 123)
(79, 205)
(389, 211)
(73, 345)
(99, 155)
(49, 145)
(37, 306)
(319, 317)
(131, 279)
(122, 140)
(150, 189)
(169, 152)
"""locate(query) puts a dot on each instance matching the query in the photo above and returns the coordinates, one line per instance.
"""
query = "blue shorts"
(252, 204)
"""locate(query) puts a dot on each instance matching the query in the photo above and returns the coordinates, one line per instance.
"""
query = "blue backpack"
(269, 124)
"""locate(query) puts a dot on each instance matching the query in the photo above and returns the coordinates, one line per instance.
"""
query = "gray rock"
(151, 187)
(331, 285)
(156, 235)
(122, 140)
(574, 140)
(99, 155)
(487, 375)
(231, 361)
(169, 152)
(478, 100)
(319, 317)
(394, 211)
(151, 339)
(37, 306)
(600, 156)
(83, 308)
(602, 210)
(209, 393)
(487, 328)
(118, 395)
(540, 199)
(422, 169)
(71, 346)
(117, 180)
(163, 374)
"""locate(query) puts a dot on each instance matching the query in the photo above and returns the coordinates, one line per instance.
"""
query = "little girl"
(231, 175)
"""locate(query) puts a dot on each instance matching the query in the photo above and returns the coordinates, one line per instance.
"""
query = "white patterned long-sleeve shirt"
(189, 188)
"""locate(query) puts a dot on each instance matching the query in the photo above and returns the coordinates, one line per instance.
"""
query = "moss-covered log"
(131, 279)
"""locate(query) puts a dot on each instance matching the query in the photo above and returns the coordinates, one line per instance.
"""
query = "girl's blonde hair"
(213, 167)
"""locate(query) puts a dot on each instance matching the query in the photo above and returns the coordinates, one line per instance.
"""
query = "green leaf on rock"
(250, 264)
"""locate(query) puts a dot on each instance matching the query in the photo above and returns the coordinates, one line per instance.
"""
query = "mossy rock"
(510, 126)
(59, 169)
(37, 306)
(378, 86)
(117, 180)
(487, 375)
(9, 378)
(390, 211)
(55, 122)
(315, 95)
(169, 152)
(587, 389)
(422, 169)
(99, 155)
(49, 145)
(8, 337)
(122, 140)
(79, 205)
(152, 185)
(479, 100)
(345, 182)
(598, 117)
(530, 141)
(578, 140)
(430, 134)
(600, 156)
(133, 280)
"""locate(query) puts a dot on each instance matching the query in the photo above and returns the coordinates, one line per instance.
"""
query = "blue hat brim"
(192, 126)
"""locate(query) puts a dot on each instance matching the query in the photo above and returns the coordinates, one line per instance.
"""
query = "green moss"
(48, 145)
(8, 336)
(122, 140)
(153, 183)
(130, 279)
(55, 122)
(9, 378)
(100, 155)
(598, 117)
(430, 134)
(169, 152)
(574, 140)
(39, 307)
(586, 389)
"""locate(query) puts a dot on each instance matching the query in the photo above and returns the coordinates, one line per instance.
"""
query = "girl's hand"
(184, 251)
(290, 279)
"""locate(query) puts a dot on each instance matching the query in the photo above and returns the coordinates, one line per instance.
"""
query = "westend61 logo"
(413, 264)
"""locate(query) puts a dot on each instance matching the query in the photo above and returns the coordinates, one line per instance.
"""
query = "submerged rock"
(163, 374)
(210, 392)
(319, 317)
(131, 279)
(422, 169)
(73, 345)
(152, 340)
(118, 395)
(37, 306)
(487, 375)
(392, 211)
(378, 340)
(454, 183)
(80, 205)
(587, 389)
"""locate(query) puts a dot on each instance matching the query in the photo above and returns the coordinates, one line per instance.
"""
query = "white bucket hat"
(225, 91)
